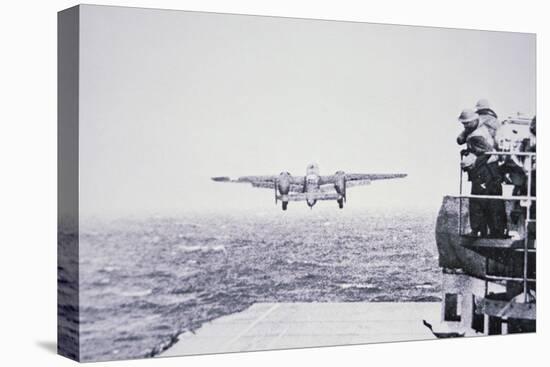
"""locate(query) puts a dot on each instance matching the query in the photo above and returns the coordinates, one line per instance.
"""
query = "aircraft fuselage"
(312, 182)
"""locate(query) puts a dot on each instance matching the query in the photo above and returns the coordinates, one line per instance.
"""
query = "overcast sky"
(169, 99)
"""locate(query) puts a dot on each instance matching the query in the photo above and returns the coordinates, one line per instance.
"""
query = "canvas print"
(233, 183)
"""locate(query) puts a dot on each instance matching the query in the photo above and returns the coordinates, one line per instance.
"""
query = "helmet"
(467, 115)
(482, 104)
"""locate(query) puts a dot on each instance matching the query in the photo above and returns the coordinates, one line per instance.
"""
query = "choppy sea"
(143, 282)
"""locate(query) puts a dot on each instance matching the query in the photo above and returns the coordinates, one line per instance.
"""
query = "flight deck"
(268, 326)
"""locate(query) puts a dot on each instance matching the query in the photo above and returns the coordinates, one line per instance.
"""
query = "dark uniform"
(487, 216)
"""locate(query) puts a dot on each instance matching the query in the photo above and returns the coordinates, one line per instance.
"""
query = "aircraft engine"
(283, 185)
(340, 184)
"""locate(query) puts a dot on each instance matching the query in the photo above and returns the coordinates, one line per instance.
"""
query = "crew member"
(516, 170)
(487, 216)
(487, 117)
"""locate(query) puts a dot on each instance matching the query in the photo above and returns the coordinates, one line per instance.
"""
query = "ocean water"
(143, 282)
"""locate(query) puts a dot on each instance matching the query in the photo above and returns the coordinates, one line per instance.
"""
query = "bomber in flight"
(311, 187)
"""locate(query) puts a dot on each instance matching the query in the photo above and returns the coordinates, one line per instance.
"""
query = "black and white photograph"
(232, 183)
(273, 183)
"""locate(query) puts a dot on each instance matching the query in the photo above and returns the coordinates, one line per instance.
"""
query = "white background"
(28, 184)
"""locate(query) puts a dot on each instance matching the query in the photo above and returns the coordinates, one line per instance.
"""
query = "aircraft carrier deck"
(269, 326)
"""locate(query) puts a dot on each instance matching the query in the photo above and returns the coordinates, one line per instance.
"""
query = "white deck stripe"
(246, 330)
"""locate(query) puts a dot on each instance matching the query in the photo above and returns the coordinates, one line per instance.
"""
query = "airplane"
(311, 187)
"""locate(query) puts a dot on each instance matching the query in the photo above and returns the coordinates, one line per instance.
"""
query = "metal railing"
(529, 199)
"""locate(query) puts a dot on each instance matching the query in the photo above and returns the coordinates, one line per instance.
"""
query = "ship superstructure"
(489, 284)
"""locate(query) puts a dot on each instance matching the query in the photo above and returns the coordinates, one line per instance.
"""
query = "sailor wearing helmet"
(487, 216)
(487, 117)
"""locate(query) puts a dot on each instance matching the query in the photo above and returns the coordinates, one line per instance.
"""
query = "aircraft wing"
(373, 176)
(264, 182)
(357, 179)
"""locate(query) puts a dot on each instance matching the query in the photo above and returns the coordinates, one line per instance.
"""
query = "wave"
(199, 248)
(309, 263)
(358, 286)
(136, 293)
(424, 286)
